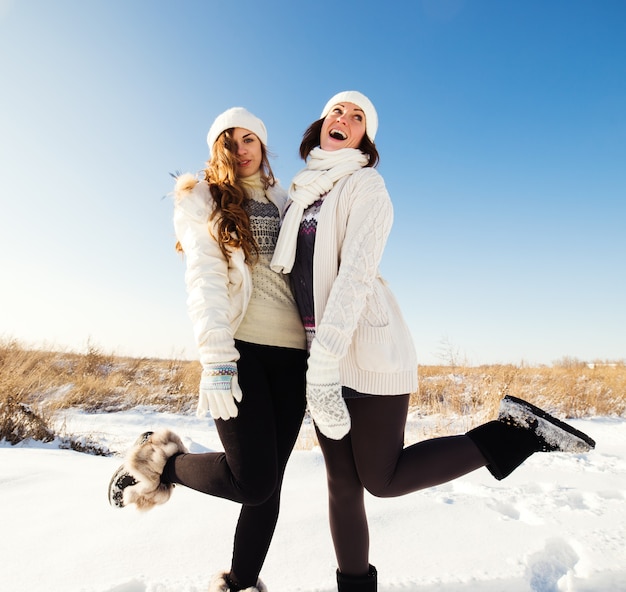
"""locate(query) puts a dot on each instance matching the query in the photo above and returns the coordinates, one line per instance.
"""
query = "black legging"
(257, 444)
(372, 456)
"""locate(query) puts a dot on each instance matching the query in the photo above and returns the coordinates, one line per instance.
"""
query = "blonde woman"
(251, 344)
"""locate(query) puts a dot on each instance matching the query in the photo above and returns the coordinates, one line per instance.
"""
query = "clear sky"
(502, 138)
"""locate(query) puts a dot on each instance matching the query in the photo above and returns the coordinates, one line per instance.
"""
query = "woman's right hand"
(219, 390)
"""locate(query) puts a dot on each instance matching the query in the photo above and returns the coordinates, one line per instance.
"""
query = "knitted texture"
(359, 99)
(271, 317)
(323, 170)
(357, 274)
(358, 319)
(323, 393)
(221, 373)
(219, 389)
(236, 117)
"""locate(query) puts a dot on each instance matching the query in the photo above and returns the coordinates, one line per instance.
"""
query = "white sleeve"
(206, 277)
(368, 226)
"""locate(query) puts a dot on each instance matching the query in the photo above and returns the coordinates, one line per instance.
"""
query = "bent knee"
(378, 489)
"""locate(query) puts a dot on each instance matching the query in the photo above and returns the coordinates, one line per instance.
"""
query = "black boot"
(365, 583)
(521, 430)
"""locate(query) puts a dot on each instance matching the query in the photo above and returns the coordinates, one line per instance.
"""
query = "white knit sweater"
(358, 318)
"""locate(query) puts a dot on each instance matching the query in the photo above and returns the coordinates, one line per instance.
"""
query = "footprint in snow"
(545, 568)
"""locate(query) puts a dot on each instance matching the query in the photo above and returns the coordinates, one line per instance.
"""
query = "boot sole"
(119, 482)
(557, 435)
(122, 478)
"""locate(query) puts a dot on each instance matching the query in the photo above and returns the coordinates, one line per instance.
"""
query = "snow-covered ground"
(557, 524)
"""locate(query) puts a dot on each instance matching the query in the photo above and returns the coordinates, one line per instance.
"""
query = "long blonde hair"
(233, 221)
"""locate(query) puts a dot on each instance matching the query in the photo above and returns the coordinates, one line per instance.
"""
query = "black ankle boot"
(505, 447)
(367, 583)
(521, 430)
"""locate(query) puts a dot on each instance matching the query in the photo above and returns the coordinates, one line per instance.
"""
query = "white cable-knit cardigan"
(358, 318)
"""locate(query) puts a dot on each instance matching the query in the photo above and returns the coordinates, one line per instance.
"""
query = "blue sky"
(502, 138)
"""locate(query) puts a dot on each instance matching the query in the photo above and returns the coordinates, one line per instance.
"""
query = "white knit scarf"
(323, 169)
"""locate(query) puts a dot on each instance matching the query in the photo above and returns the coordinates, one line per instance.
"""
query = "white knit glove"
(323, 393)
(219, 389)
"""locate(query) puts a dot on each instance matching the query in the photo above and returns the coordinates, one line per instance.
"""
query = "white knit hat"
(354, 96)
(236, 117)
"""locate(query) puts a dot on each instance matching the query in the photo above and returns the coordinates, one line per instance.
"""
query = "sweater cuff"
(333, 340)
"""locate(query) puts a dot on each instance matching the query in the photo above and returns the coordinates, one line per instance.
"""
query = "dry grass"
(94, 381)
(35, 384)
(572, 391)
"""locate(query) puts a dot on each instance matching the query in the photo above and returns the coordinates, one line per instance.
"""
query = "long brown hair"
(232, 220)
(311, 139)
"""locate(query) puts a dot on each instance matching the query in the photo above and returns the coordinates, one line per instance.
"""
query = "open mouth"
(337, 134)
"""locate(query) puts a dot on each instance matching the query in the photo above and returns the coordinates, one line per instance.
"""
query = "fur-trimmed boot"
(521, 430)
(221, 583)
(138, 480)
(366, 583)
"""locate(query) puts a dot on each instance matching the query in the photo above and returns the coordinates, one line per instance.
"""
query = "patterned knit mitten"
(323, 393)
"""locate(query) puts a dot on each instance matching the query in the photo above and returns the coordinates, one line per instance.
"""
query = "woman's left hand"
(219, 389)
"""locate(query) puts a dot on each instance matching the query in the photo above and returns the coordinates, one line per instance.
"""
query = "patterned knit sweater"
(271, 317)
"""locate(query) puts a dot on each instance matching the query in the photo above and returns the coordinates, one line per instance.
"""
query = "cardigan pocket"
(375, 350)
